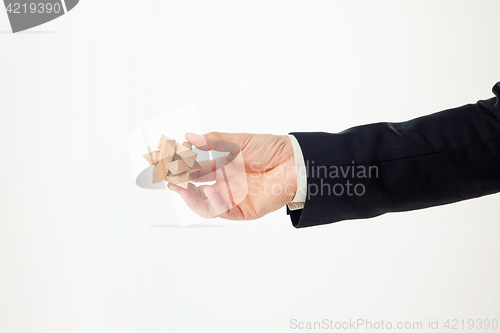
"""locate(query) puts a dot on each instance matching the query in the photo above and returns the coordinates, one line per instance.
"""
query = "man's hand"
(257, 177)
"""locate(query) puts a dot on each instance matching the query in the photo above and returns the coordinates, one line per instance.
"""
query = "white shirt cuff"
(300, 168)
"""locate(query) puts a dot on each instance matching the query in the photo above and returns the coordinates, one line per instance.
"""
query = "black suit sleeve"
(370, 170)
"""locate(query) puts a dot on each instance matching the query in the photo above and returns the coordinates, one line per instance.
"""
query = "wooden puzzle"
(173, 162)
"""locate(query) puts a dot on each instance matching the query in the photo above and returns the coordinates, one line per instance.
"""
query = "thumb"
(225, 142)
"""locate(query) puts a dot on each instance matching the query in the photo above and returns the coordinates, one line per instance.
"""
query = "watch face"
(24, 14)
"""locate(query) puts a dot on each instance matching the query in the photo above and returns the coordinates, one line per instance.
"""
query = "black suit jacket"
(370, 170)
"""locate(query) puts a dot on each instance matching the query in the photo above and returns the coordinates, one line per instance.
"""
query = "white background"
(74, 255)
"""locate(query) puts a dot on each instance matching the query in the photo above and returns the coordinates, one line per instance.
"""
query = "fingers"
(218, 199)
(225, 142)
(208, 168)
(192, 197)
(205, 174)
(204, 200)
(215, 200)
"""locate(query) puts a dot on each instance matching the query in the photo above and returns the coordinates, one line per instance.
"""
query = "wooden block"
(158, 175)
(163, 139)
(173, 162)
(152, 157)
(167, 150)
(164, 167)
(196, 167)
(194, 175)
(177, 167)
(180, 148)
(188, 156)
(181, 180)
